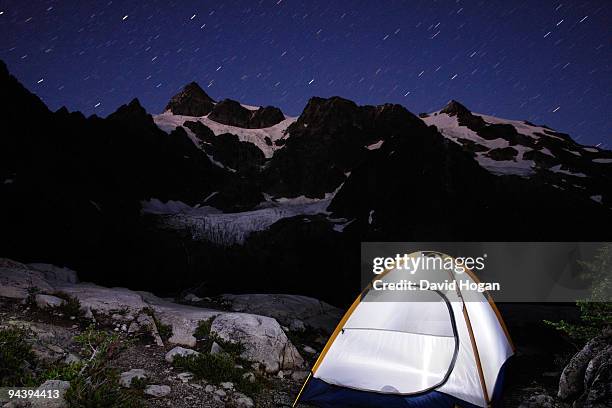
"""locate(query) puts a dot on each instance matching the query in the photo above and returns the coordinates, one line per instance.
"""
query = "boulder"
(51, 385)
(572, 381)
(215, 348)
(242, 401)
(597, 381)
(179, 351)
(309, 350)
(227, 385)
(71, 358)
(47, 301)
(594, 367)
(185, 377)
(263, 339)
(599, 392)
(157, 390)
(126, 377)
(249, 376)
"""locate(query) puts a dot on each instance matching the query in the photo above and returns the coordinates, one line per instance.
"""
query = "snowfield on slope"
(226, 229)
(167, 122)
(449, 127)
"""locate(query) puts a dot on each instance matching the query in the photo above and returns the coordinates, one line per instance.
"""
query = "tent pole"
(301, 390)
(476, 355)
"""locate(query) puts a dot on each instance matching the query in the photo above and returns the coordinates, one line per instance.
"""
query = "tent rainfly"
(409, 349)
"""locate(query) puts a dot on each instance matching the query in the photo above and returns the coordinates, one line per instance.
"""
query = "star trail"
(546, 62)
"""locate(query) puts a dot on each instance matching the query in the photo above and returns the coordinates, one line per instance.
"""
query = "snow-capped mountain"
(211, 186)
(264, 127)
(512, 147)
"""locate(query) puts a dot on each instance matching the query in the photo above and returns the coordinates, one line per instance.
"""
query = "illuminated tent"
(420, 348)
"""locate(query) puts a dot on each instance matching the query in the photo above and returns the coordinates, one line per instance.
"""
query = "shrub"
(32, 292)
(218, 368)
(596, 310)
(17, 360)
(138, 383)
(64, 372)
(100, 390)
(206, 338)
(203, 329)
(71, 305)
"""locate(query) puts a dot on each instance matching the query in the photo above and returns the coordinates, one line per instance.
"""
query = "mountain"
(524, 149)
(209, 188)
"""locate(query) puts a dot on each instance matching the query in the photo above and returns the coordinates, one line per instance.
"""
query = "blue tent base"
(321, 394)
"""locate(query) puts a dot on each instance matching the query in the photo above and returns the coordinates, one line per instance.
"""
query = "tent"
(414, 348)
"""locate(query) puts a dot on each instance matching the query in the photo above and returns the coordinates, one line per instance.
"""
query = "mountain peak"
(132, 112)
(232, 113)
(191, 101)
(453, 108)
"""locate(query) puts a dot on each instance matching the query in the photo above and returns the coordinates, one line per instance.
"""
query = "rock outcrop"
(291, 311)
(262, 337)
(587, 378)
(191, 101)
(232, 113)
(268, 343)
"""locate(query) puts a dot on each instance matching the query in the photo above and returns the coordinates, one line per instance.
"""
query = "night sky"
(547, 62)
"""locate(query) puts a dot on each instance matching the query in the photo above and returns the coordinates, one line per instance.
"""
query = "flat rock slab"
(263, 339)
(289, 310)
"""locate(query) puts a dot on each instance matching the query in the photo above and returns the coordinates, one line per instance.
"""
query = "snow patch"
(168, 122)
(450, 128)
(339, 227)
(547, 152)
(375, 146)
(557, 169)
(603, 161)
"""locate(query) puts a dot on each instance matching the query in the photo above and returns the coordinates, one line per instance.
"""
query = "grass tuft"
(17, 360)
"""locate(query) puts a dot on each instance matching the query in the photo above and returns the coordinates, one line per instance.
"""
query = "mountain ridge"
(136, 195)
